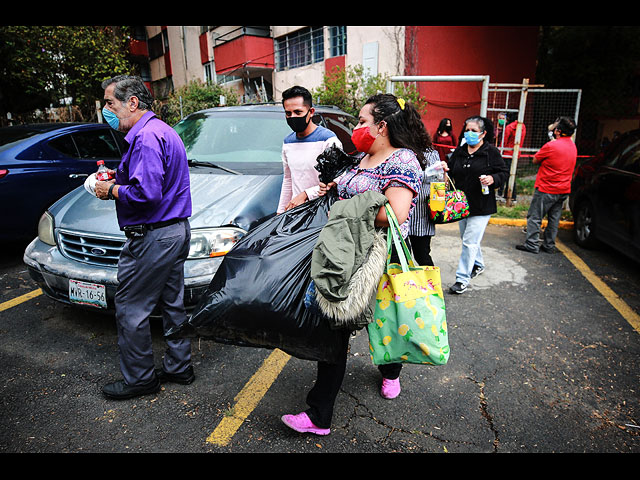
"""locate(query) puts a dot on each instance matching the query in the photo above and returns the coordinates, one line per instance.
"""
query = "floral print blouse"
(401, 169)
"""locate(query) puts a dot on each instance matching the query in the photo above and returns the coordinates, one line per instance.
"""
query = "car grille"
(103, 251)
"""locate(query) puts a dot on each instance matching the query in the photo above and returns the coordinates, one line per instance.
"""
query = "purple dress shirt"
(153, 175)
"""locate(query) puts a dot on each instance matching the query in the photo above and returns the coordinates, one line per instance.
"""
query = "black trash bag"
(256, 298)
(333, 162)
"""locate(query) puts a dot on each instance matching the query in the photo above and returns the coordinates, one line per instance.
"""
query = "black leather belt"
(166, 223)
(132, 231)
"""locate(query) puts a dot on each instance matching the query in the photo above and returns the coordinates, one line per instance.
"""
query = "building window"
(300, 48)
(158, 45)
(209, 72)
(337, 41)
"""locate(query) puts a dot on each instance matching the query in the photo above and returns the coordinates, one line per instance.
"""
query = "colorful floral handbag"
(409, 323)
(456, 207)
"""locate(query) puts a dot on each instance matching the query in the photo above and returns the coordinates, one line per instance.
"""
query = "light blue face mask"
(111, 118)
(472, 138)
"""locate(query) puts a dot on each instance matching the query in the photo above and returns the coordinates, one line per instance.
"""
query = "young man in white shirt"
(301, 148)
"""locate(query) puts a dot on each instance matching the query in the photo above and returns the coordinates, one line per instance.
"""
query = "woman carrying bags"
(392, 140)
(478, 169)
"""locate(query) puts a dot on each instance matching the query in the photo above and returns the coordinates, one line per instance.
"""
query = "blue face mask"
(111, 118)
(472, 138)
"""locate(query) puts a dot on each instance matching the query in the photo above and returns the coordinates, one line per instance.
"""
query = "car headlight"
(213, 242)
(45, 229)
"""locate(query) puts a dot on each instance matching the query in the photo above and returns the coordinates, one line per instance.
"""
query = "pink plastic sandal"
(390, 388)
(303, 424)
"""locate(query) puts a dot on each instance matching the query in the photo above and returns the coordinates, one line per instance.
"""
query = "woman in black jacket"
(478, 169)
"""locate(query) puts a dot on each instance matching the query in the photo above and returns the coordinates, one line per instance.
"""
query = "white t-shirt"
(299, 157)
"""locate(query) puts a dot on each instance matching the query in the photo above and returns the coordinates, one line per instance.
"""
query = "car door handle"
(78, 175)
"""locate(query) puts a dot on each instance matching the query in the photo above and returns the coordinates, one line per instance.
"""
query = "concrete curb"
(522, 222)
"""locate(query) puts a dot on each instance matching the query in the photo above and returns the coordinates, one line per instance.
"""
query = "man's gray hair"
(128, 86)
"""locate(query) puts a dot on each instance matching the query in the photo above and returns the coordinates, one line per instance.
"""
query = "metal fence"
(532, 108)
(536, 108)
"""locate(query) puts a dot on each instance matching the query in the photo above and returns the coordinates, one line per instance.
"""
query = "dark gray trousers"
(549, 204)
(150, 273)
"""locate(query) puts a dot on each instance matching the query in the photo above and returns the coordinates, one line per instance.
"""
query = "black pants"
(322, 397)
(421, 247)
(502, 191)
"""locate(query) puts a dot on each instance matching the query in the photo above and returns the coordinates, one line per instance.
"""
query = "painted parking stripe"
(246, 400)
(18, 300)
(620, 305)
(249, 397)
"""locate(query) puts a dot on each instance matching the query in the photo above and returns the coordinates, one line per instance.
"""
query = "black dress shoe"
(524, 248)
(184, 378)
(548, 249)
(121, 391)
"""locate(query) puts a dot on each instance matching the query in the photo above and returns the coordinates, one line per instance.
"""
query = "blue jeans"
(471, 231)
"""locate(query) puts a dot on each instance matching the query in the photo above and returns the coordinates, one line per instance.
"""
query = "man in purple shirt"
(153, 202)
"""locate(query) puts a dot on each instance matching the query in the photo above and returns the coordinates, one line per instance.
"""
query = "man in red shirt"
(557, 160)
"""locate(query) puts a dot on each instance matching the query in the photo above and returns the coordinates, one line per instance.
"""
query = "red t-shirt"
(510, 136)
(558, 160)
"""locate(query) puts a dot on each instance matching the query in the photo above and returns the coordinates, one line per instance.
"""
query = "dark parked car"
(605, 198)
(40, 163)
(236, 177)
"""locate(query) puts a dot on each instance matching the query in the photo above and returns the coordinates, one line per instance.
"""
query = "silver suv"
(236, 175)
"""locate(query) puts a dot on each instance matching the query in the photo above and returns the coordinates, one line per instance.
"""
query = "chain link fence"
(537, 110)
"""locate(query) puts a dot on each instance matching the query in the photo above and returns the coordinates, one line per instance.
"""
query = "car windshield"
(246, 141)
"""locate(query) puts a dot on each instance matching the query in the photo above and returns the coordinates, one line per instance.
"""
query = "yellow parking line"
(625, 310)
(249, 397)
(18, 300)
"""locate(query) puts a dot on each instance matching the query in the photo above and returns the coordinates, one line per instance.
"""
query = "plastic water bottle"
(103, 173)
(435, 172)
(485, 188)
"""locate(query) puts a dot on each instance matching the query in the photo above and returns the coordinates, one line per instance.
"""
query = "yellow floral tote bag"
(409, 323)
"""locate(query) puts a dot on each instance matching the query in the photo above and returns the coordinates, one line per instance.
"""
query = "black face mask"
(299, 124)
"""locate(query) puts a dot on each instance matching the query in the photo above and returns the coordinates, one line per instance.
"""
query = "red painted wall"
(507, 54)
(333, 62)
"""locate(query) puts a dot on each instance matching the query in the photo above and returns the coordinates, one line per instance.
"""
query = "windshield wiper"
(196, 163)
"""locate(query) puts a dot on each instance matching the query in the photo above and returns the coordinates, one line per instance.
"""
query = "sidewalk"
(496, 219)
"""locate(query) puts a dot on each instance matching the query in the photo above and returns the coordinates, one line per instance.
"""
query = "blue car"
(41, 163)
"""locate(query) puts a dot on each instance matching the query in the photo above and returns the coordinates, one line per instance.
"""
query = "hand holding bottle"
(485, 181)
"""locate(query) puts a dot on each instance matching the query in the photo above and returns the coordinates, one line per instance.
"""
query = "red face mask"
(362, 139)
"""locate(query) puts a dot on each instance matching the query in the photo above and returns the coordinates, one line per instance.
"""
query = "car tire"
(585, 225)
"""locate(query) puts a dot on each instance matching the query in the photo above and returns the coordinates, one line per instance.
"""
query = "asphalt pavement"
(541, 361)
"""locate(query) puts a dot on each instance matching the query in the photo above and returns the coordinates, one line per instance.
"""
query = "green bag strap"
(392, 234)
(406, 260)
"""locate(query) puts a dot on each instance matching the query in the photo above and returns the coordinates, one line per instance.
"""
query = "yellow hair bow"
(401, 103)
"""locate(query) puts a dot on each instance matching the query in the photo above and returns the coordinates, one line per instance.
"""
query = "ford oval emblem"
(98, 251)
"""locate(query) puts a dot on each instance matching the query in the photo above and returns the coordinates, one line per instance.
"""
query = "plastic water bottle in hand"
(485, 188)
(435, 172)
(103, 174)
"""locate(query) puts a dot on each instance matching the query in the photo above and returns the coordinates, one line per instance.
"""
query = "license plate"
(87, 293)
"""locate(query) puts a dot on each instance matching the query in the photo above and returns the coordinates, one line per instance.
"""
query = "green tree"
(349, 88)
(193, 97)
(41, 66)
(603, 61)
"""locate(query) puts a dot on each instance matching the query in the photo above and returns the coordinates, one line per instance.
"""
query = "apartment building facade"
(260, 62)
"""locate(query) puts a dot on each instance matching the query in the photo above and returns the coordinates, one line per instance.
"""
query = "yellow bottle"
(436, 196)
